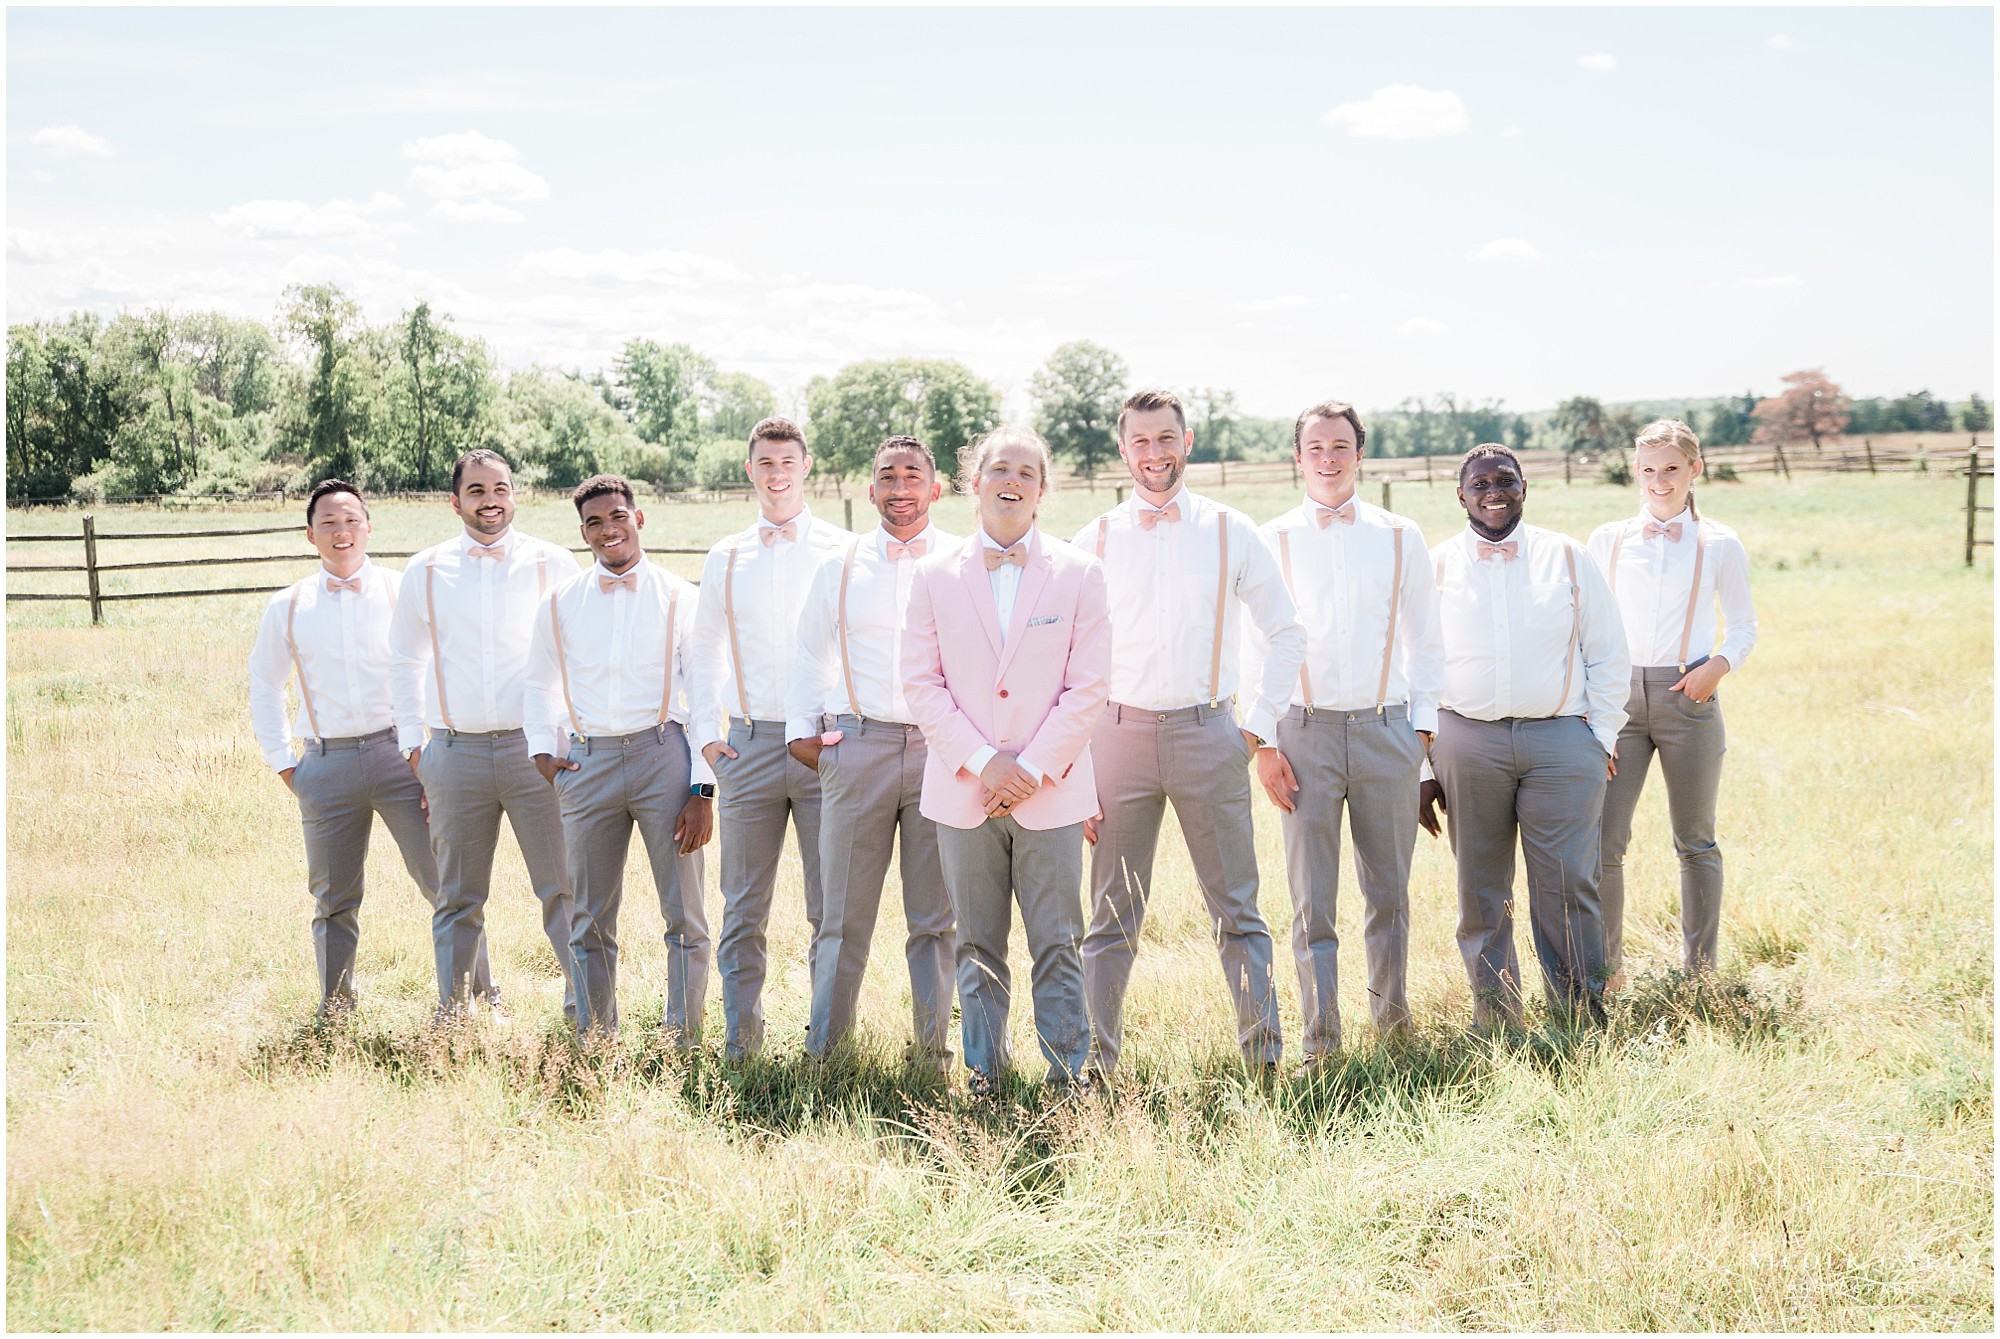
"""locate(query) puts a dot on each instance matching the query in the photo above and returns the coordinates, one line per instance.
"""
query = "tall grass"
(1802, 1142)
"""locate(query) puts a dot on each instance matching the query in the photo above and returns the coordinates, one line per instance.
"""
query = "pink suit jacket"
(1038, 693)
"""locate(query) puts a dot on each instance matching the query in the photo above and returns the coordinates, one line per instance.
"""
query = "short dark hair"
(1146, 402)
(327, 488)
(1330, 409)
(776, 429)
(478, 455)
(598, 485)
(1485, 449)
(902, 444)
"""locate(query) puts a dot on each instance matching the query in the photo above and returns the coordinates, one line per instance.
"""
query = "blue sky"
(1290, 203)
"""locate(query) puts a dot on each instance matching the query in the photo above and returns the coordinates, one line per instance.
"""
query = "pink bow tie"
(1506, 551)
(915, 548)
(488, 550)
(789, 532)
(335, 583)
(999, 558)
(607, 584)
(1326, 516)
(1672, 530)
(1151, 517)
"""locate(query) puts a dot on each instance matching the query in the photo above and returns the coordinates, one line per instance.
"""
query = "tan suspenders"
(562, 663)
(1694, 587)
(1575, 629)
(846, 662)
(431, 617)
(1395, 609)
(729, 614)
(305, 693)
(1221, 594)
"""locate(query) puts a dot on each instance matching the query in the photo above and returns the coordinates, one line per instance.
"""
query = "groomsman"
(848, 719)
(332, 630)
(606, 670)
(1535, 682)
(460, 642)
(1363, 710)
(1007, 652)
(1178, 567)
(754, 588)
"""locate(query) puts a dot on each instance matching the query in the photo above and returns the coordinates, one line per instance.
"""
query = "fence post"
(1869, 446)
(1295, 473)
(847, 505)
(1973, 500)
(1385, 495)
(1119, 491)
(1566, 466)
(90, 566)
(1427, 467)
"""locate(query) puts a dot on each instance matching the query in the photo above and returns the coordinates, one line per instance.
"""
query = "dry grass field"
(1805, 1143)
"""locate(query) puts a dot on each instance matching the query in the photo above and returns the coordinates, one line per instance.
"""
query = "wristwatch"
(701, 792)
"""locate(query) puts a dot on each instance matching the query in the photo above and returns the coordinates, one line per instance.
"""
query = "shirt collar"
(1474, 539)
(1683, 518)
(466, 541)
(998, 547)
(598, 569)
(803, 521)
(1314, 506)
(366, 569)
(926, 536)
(1180, 494)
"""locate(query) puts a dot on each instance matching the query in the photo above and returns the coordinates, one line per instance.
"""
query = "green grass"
(1803, 1142)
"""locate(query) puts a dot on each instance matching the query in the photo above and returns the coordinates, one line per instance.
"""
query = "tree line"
(158, 402)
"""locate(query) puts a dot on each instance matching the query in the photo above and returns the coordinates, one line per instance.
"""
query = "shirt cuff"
(1261, 722)
(982, 755)
(543, 740)
(801, 727)
(1034, 770)
(1424, 718)
(699, 772)
(1604, 741)
(409, 737)
(280, 759)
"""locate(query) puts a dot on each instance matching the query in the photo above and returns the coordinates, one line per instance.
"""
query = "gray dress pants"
(620, 781)
(871, 783)
(988, 869)
(471, 780)
(1542, 778)
(756, 792)
(341, 784)
(1197, 758)
(1366, 762)
(1690, 740)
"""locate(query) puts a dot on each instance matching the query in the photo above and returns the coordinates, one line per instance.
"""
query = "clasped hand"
(1007, 783)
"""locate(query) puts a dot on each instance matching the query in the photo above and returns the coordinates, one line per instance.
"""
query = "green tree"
(333, 413)
(441, 400)
(62, 406)
(1215, 418)
(734, 403)
(558, 430)
(1978, 415)
(1582, 425)
(1077, 393)
(1730, 421)
(660, 389)
(943, 403)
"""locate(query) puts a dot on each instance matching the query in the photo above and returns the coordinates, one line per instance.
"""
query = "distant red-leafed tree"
(1811, 406)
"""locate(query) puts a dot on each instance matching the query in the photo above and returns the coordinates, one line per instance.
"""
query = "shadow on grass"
(1024, 1134)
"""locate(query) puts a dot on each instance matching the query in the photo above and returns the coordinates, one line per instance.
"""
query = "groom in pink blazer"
(1007, 657)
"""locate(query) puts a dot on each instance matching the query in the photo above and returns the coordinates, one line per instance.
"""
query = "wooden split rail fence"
(93, 570)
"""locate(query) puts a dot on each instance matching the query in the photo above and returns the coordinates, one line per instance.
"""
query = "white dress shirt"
(1006, 583)
(1162, 585)
(768, 592)
(1342, 579)
(485, 612)
(1507, 629)
(343, 645)
(614, 649)
(878, 593)
(1652, 582)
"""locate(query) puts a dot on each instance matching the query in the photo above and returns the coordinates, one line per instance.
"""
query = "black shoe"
(979, 1084)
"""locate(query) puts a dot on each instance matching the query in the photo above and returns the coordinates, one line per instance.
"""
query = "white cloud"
(1402, 111)
(28, 247)
(1278, 304)
(480, 211)
(681, 269)
(1771, 281)
(65, 141)
(1778, 42)
(1508, 248)
(1421, 327)
(295, 220)
(1511, 132)
(468, 166)
(1597, 60)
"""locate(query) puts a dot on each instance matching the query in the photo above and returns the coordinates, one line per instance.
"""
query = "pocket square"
(1044, 618)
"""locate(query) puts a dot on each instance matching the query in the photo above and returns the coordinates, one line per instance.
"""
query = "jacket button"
(1003, 692)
